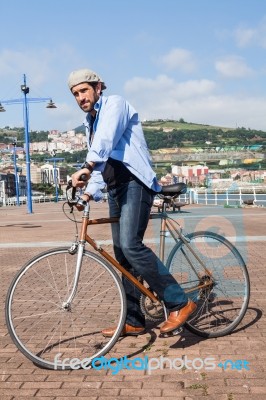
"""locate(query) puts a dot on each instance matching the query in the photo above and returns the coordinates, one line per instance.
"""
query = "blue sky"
(200, 60)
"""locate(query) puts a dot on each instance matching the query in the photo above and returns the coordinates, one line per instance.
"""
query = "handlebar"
(73, 199)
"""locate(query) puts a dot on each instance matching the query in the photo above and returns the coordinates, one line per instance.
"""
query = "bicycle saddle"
(174, 190)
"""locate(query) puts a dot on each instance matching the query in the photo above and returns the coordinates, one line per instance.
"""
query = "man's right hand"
(76, 182)
(85, 197)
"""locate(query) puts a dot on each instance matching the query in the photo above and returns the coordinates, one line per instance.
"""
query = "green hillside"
(169, 134)
(179, 125)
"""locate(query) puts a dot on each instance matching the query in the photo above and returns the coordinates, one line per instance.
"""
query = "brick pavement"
(23, 236)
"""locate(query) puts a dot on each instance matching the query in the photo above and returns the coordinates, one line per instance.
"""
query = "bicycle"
(59, 302)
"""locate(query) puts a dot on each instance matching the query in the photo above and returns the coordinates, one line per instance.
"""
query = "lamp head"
(25, 89)
(51, 104)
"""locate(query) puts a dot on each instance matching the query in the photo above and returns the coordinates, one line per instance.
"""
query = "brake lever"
(83, 178)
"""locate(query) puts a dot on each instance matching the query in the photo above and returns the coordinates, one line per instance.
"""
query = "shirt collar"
(98, 104)
(97, 107)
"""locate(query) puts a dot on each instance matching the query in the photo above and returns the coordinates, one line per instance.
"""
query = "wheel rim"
(222, 304)
(42, 327)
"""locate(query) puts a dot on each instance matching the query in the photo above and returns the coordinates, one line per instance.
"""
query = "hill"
(179, 125)
(166, 134)
(172, 134)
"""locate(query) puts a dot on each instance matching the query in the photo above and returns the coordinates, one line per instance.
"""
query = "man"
(117, 149)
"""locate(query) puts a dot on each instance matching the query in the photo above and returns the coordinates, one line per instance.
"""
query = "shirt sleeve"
(110, 128)
(95, 185)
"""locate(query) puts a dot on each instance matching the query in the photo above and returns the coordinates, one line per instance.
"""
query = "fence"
(12, 201)
(239, 197)
(218, 198)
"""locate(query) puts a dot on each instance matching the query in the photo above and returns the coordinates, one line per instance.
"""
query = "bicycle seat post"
(164, 205)
(163, 231)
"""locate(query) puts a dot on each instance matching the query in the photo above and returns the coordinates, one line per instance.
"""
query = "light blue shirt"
(118, 134)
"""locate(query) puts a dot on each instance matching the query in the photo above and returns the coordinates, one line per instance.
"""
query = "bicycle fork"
(80, 250)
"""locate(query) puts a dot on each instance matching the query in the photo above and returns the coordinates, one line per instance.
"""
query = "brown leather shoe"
(178, 318)
(128, 330)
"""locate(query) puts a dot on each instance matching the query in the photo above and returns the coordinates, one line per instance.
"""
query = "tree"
(46, 188)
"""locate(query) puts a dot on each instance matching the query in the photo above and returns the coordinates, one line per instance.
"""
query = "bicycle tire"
(42, 328)
(221, 306)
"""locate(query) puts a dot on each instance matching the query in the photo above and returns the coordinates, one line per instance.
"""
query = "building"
(35, 172)
(3, 188)
(8, 185)
(190, 171)
(195, 174)
(2, 193)
(51, 175)
(22, 181)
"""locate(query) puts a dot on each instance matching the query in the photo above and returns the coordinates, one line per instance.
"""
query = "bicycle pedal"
(175, 332)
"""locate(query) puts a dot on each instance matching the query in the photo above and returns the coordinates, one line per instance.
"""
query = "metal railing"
(239, 197)
(12, 201)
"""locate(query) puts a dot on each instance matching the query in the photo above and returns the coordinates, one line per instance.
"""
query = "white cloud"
(244, 37)
(40, 65)
(195, 101)
(233, 67)
(256, 36)
(179, 59)
(230, 111)
(163, 86)
(30, 62)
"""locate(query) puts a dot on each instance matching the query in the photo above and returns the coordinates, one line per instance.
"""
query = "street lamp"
(16, 171)
(25, 101)
(55, 159)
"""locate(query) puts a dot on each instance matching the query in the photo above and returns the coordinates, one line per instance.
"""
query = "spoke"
(41, 326)
(36, 315)
(34, 328)
(57, 291)
(38, 294)
(35, 301)
(48, 344)
(97, 295)
(67, 281)
(45, 280)
(85, 285)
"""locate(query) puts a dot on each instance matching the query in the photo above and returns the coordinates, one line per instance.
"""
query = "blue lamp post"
(16, 172)
(25, 101)
(55, 159)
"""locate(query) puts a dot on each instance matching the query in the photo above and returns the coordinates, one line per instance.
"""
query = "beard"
(87, 107)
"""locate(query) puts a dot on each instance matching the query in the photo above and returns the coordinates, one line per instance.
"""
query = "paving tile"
(20, 379)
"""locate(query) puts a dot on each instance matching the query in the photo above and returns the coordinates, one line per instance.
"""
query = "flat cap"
(84, 75)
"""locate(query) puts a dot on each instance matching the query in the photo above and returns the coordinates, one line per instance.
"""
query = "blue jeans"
(132, 202)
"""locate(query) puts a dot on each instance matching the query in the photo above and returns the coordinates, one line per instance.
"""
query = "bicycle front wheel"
(223, 301)
(49, 333)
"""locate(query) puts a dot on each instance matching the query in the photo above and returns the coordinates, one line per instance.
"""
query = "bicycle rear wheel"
(49, 333)
(222, 304)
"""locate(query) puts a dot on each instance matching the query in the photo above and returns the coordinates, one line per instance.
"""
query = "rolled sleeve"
(95, 186)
